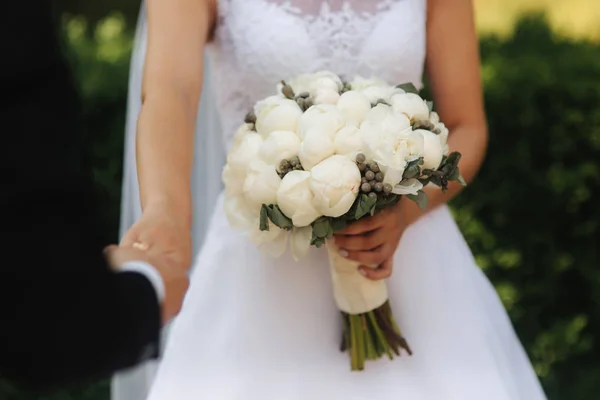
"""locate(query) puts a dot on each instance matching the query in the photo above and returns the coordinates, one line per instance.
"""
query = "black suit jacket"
(64, 316)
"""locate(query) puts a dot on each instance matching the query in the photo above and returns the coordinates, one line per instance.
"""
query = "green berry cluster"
(371, 178)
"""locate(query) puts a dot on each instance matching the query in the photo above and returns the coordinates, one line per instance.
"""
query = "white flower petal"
(295, 199)
(408, 186)
(335, 183)
(300, 242)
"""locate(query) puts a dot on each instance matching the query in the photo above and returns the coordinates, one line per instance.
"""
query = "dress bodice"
(259, 42)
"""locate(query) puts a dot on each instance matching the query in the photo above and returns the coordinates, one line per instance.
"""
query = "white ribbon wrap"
(353, 292)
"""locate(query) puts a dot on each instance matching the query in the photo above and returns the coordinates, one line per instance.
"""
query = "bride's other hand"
(160, 232)
(374, 240)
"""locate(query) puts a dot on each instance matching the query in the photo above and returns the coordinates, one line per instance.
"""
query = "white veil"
(209, 158)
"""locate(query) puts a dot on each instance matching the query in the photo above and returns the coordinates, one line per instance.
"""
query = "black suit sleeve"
(65, 316)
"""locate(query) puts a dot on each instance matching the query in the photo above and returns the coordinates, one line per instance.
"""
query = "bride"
(257, 328)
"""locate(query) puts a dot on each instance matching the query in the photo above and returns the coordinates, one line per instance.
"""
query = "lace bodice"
(259, 42)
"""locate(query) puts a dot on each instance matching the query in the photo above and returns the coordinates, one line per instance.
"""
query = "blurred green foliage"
(530, 218)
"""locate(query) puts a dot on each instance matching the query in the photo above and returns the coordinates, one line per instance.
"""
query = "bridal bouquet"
(322, 153)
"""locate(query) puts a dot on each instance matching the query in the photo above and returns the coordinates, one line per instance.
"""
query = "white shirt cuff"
(150, 273)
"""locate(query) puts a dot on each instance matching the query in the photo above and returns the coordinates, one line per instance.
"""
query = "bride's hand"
(373, 240)
(160, 232)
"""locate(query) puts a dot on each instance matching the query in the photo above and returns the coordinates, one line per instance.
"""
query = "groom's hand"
(174, 277)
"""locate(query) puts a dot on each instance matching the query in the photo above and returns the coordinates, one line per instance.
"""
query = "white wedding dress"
(253, 327)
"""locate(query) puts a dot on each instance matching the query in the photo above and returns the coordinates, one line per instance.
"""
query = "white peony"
(261, 185)
(433, 149)
(354, 106)
(311, 83)
(335, 183)
(326, 96)
(239, 213)
(443, 135)
(233, 179)
(300, 241)
(390, 141)
(410, 104)
(272, 242)
(374, 88)
(244, 150)
(316, 146)
(276, 113)
(443, 131)
(324, 117)
(241, 132)
(295, 198)
(348, 141)
(278, 146)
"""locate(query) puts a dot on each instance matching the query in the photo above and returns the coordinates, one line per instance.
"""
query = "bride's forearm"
(471, 142)
(165, 152)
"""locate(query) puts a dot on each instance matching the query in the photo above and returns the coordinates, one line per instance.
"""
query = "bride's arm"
(172, 81)
(452, 66)
(177, 33)
(453, 69)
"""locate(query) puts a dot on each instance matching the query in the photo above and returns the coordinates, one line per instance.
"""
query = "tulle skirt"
(253, 327)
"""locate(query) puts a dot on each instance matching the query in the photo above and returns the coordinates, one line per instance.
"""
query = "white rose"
(410, 104)
(348, 141)
(244, 152)
(276, 113)
(261, 184)
(433, 149)
(239, 213)
(408, 186)
(295, 198)
(326, 96)
(312, 82)
(316, 146)
(335, 182)
(390, 141)
(324, 117)
(354, 106)
(279, 145)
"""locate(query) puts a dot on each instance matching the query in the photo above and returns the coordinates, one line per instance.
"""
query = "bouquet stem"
(372, 335)
(370, 331)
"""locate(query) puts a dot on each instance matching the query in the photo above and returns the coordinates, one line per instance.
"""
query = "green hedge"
(530, 217)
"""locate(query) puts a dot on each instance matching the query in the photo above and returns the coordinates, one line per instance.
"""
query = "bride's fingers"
(384, 271)
(373, 257)
(366, 242)
(365, 225)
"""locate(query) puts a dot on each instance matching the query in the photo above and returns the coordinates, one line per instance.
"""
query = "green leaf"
(429, 105)
(408, 88)
(453, 158)
(386, 201)
(264, 218)
(365, 205)
(322, 228)
(279, 218)
(338, 224)
(461, 180)
(454, 174)
(317, 241)
(420, 198)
